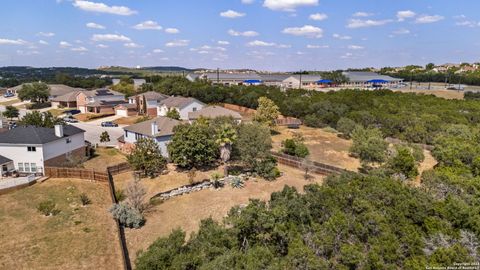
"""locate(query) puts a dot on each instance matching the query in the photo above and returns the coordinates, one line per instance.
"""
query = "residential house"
(56, 90)
(147, 103)
(29, 149)
(68, 100)
(182, 104)
(212, 112)
(159, 129)
(99, 101)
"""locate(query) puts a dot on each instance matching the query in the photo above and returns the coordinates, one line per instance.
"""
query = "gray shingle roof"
(35, 135)
(213, 112)
(4, 160)
(178, 102)
(165, 127)
(362, 76)
(69, 97)
(152, 95)
(102, 92)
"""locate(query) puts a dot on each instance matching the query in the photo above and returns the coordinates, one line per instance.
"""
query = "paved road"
(93, 130)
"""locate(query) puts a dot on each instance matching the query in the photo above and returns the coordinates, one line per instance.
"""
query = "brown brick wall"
(78, 153)
(152, 111)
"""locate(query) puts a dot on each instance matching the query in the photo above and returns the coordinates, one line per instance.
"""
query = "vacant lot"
(447, 94)
(76, 238)
(325, 146)
(104, 157)
(187, 211)
(10, 102)
(130, 120)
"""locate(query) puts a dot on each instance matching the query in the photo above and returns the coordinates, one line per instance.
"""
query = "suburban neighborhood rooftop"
(35, 135)
(165, 127)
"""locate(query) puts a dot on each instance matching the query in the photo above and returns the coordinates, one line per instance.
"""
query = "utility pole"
(411, 79)
(300, 85)
(218, 75)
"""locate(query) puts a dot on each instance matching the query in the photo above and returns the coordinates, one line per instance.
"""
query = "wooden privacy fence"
(61, 172)
(119, 168)
(315, 167)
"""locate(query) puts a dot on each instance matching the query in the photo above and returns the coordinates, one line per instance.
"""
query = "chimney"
(59, 131)
(154, 128)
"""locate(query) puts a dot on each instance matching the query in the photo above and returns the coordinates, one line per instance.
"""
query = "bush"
(238, 182)
(127, 216)
(267, 168)
(346, 126)
(84, 199)
(48, 208)
(120, 195)
(295, 147)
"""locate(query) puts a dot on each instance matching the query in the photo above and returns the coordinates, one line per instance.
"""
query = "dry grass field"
(104, 157)
(325, 147)
(446, 94)
(76, 238)
(187, 211)
(129, 120)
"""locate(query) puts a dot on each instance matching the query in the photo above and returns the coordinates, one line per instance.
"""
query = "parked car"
(69, 119)
(72, 112)
(12, 124)
(109, 124)
(8, 95)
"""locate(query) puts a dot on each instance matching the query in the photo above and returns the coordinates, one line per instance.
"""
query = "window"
(194, 109)
(33, 167)
(31, 149)
(20, 166)
(138, 136)
(27, 167)
(126, 134)
(68, 140)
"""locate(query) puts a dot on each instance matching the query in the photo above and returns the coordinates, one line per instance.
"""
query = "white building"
(362, 79)
(159, 129)
(301, 81)
(29, 149)
(182, 104)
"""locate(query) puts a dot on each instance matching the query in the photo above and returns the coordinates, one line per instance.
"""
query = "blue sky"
(277, 35)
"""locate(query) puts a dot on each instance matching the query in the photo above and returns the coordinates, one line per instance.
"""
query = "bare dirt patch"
(324, 146)
(129, 120)
(187, 211)
(76, 238)
(104, 157)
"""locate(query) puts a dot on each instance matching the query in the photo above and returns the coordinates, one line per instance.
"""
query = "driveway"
(93, 131)
(99, 121)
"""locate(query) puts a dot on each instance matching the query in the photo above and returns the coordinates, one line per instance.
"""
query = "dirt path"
(428, 163)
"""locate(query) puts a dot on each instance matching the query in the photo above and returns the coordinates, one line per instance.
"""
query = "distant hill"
(168, 69)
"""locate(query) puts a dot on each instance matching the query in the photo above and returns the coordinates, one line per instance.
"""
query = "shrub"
(127, 216)
(48, 208)
(346, 126)
(84, 199)
(238, 182)
(295, 147)
(215, 179)
(120, 195)
(267, 168)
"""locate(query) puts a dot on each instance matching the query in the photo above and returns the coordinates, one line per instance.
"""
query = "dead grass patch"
(104, 157)
(78, 237)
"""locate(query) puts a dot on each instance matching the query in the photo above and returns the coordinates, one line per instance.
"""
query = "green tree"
(104, 137)
(173, 113)
(38, 119)
(369, 145)
(11, 112)
(147, 157)
(295, 147)
(36, 92)
(193, 146)
(346, 126)
(267, 111)
(225, 137)
(253, 143)
(429, 66)
(403, 162)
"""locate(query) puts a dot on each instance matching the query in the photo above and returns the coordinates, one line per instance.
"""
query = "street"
(93, 130)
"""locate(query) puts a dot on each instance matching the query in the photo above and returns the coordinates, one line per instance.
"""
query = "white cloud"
(306, 30)
(231, 14)
(429, 19)
(318, 16)
(110, 37)
(359, 23)
(79, 49)
(405, 14)
(103, 8)
(27, 53)
(102, 46)
(338, 36)
(223, 42)
(362, 14)
(284, 46)
(172, 31)
(157, 51)
(43, 42)
(95, 25)
(4, 41)
(64, 44)
(309, 46)
(355, 47)
(243, 34)
(148, 25)
(401, 31)
(346, 56)
(248, 1)
(132, 45)
(45, 34)
(288, 5)
(178, 43)
(259, 43)
(467, 23)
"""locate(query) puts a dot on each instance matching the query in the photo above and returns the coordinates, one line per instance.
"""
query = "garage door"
(122, 113)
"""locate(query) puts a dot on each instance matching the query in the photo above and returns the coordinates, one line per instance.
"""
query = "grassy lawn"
(85, 117)
(57, 112)
(10, 102)
(104, 157)
(324, 146)
(76, 238)
(187, 211)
